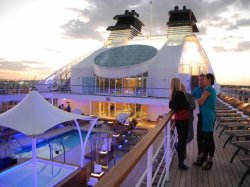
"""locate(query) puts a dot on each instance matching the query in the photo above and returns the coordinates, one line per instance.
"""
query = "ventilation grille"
(124, 34)
(179, 31)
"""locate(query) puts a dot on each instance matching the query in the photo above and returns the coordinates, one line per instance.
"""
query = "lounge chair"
(246, 162)
(99, 124)
(236, 134)
(227, 120)
(241, 124)
(241, 145)
(223, 114)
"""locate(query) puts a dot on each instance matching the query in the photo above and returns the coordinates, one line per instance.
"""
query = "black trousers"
(199, 134)
(182, 131)
(208, 143)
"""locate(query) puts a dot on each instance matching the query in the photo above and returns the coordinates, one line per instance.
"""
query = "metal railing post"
(167, 149)
(149, 165)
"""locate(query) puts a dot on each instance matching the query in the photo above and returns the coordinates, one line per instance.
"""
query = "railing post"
(149, 165)
(167, 149)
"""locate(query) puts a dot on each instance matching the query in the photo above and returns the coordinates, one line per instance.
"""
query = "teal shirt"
(197, 93)
(208, 110)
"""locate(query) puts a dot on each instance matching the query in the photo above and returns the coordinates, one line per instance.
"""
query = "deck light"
(97, 174)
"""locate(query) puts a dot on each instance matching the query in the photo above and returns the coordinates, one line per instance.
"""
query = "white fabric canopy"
(34, 115)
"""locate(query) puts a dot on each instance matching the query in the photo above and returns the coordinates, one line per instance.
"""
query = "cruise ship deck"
(223, 172)
(132, 72)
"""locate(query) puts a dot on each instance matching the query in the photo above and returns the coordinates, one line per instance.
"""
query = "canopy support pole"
(84, 145)
(34, 166)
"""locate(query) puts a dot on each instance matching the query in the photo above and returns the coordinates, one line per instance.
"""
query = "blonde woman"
(179, 104)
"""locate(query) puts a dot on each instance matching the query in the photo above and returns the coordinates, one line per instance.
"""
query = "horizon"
(39, 36)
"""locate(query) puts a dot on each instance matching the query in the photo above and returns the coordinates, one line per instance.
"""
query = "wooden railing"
(121, 170)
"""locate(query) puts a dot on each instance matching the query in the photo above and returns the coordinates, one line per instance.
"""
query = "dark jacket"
(179, 101)
(180, 106)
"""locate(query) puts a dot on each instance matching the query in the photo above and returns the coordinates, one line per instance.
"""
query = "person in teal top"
(207, 103)
(208, 110)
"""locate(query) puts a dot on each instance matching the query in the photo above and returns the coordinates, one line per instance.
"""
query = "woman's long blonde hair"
(175, 85)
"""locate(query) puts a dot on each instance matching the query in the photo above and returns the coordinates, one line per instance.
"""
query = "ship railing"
(136, 168)
(152, 92)
(58, 78)
(118, 91)
(240, 92)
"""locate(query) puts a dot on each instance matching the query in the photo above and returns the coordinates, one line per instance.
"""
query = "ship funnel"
(127, 26)
(182, 22)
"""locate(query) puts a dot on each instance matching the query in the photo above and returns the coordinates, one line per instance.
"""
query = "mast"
(150, 17)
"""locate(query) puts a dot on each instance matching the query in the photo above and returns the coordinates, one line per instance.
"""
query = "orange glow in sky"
(40, 36)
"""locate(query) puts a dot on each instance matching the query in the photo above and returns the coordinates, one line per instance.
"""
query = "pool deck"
(71, 156)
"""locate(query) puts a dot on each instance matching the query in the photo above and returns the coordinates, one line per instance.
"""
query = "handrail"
(60, 142)
(120, 171)
(131, 91)
(50, 147)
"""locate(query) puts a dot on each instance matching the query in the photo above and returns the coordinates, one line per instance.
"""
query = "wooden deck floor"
(223, 172)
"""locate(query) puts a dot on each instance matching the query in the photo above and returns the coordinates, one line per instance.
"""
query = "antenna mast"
(150, 17)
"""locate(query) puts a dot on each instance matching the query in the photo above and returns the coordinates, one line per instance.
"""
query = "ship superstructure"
(132, 71)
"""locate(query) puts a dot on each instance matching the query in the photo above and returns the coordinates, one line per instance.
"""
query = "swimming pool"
(48, 174)
(69, 140)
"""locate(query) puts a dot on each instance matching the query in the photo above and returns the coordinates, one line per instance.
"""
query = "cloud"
(80, 30)
(100, 14)
(53, 51)
(232, 27)
(23, 70)
(243, 46)
(243, 22)
(219, 49)
(24, 65)
(245, 4)
(239, 23)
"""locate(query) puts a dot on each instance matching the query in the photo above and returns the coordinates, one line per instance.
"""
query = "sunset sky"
(37, 37)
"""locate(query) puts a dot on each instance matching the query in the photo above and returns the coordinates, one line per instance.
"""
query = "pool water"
(69, 140)
(48, 174)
